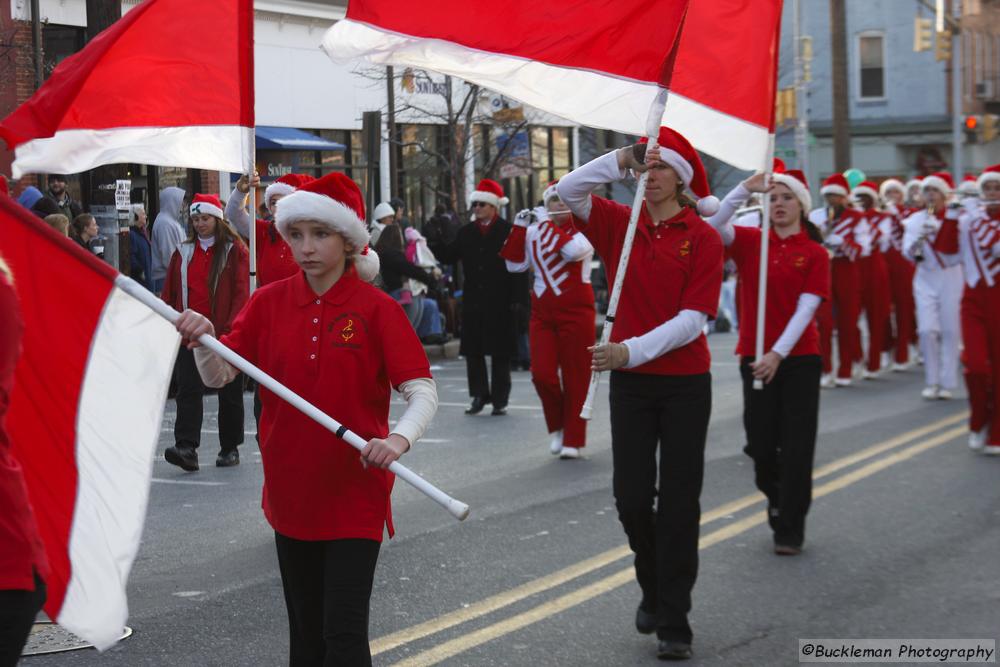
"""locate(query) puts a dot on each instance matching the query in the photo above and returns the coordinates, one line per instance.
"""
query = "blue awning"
(291, 139)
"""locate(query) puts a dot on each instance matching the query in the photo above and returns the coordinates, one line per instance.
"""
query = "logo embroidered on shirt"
(799, 262)
(347, 333)
(685, 247)
(348, 330)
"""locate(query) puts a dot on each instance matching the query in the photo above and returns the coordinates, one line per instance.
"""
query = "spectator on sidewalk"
(57, 191)
(167, 234)
(140, 248)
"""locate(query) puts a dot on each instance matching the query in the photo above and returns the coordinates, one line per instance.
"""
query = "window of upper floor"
(871, 66)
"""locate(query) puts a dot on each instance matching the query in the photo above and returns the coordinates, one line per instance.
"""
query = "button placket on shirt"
(314, 354)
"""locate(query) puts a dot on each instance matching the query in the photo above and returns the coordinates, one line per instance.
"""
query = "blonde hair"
(58, 222)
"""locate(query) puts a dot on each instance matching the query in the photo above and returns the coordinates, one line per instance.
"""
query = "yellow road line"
(545, 610)
(546, 582)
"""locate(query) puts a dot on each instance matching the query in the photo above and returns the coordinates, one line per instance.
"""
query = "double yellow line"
(542, 611)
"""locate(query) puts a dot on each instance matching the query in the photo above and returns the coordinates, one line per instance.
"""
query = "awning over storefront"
(291, 139)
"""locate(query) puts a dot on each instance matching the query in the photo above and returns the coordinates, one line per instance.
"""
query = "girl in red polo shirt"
(208, 273)
(661, 388)
(342, 345)
(23, 564)
(783, 417)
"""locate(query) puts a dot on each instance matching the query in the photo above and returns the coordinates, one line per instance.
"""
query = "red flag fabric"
(599, 63)
(148, 89)
(84, 418)
(595, 63)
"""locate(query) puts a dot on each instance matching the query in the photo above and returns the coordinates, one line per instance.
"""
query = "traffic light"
(988, 129)
(942, 46)
(971, 127)
(923, 30)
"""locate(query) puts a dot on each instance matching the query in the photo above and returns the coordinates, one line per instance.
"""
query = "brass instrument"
(918, 252)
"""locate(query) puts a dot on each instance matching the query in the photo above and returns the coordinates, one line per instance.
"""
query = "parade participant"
(661, 387)
(383, 216)
(873, 273)
(937, 288)
(562, 315)
(328, 506)
(914, 196)
(838, 224)
(967, 192)
(488, 298)
(903, 327)
(167, 234)
(23, 563)
(274, 259)
(782, 419)
(207, 274)
(979, 253)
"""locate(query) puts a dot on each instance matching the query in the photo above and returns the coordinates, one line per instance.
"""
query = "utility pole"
(391, 129)
(801, 90)
(36, 43)
(957, 160)
(841, 98)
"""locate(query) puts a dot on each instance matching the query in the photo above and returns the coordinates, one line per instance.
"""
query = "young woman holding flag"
(661, 392)
(342, 345)
(782, 418)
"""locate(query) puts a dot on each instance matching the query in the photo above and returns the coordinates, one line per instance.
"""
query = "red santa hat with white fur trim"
(489, 192)
(835, 185)
(285, 186)
(989, 174)
(550, 193)
(335, 201)
(866, 188)
(795, 181)
(206, 205)
(678, 152)
(940, 181)
(890, 184)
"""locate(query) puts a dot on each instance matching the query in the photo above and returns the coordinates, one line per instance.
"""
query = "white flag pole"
(765, 243)
(457, 508)
(251, 167)
(653, 121)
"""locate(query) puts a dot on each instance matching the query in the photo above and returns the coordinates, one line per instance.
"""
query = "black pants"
(479, 382)
(328, 585)
(669, 412)
(17, 615)
(190, 406)
(782, 422)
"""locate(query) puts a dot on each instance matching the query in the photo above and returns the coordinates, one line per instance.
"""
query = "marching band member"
(207, 274)
(782, 418)
(873, 273)
(979, 252)
(839, 224)
(342, 345)
(967, 192)
(661, 388)
(914, 196)
(274, 258)
(937, 287)
(562, 315)
(901, 270)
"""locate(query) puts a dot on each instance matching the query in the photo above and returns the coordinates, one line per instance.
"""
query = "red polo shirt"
(21, 547)
(343, 352)
(198, 270)
(796, 265)
(274, 258)
(674, 266)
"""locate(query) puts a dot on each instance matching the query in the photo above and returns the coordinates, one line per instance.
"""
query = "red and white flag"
(595, 63)
(599, 63)
(151, 89)
(85, 413)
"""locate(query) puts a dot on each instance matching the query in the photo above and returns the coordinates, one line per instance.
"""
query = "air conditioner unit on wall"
(985, 90)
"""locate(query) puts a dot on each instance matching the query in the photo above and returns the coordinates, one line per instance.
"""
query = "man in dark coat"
(488, 295)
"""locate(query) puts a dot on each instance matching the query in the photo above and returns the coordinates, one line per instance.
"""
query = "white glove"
(996, 250)
(834, 240)
(930, 225)
(541, 214)
(524, 218)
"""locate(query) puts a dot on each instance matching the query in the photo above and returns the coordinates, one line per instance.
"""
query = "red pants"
(824, 319)
(903, 308)
(847, 306)
(981, 336)
(559, 341)
(875, 300)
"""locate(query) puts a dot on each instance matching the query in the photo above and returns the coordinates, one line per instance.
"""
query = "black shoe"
(499, 410)
(183, 457)
(787, 549)
(672, 649)
(645, 621)
(477, 406)
(228, 458)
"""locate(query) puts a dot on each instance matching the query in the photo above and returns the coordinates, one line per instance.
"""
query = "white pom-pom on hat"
(708, 206)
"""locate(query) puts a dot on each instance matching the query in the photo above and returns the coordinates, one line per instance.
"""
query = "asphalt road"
(902, 542)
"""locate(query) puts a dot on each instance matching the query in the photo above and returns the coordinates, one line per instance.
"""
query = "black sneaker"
(672, 649)
(228, 458)
(499, 410)
(185, 458)
(645, 621)
(477, 406)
